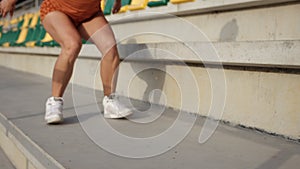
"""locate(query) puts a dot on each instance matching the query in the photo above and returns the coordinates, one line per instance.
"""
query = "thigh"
(61, 28)
(99, 32)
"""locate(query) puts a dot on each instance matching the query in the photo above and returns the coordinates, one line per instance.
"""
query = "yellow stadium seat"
(102, 4)
(47, 41)
(180, 1)
(6, 23)
(123, 9)
(47, 38)
(14, 21)
(137, 5)
(6, 44)
(27, 19)
(34, 20)
(125, 4)
(30, 44)
(22, 36)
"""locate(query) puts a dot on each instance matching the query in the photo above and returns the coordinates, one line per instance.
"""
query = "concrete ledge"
(21, 150)
(283, 54)
(196, 7)
(268, 23)
(272, 54)
(34, 51)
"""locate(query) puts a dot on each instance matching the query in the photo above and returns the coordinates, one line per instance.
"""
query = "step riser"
(21, 150)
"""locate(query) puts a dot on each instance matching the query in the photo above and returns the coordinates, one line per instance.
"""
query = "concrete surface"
(255, 41)
(22, 101)
(4, 161)
(267, 98)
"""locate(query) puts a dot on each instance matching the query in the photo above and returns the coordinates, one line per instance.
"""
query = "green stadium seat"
(47, 41)
(108, 7)
(30, 33)
(29, 20)
(154, 3)
(38, 33)
(137, 5)
(4, 37)
(1, 27)
(21, 38)
(11, 37)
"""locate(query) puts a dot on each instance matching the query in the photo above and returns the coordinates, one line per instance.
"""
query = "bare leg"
(101, 34)
(61, 28)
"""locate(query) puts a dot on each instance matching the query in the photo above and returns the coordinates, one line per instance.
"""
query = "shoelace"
(113, 101)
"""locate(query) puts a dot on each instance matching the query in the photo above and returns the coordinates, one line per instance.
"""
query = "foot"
(114, 109)
(54, 106)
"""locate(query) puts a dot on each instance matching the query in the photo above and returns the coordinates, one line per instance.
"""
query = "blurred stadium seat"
(108, 7)
(155, 3)
(137, 4)
(26, 29)
(125, 4)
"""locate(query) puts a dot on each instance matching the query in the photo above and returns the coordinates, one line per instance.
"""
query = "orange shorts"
(79, 11)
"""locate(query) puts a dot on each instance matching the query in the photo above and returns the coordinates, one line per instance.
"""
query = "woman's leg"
(102, 36)
(61, 28)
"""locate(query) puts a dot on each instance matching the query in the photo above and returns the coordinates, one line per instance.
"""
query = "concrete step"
(252, 46)
(4, 161)
(261, 82)
(81, 141)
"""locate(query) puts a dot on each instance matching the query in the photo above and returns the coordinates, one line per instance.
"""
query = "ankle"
(57, 98)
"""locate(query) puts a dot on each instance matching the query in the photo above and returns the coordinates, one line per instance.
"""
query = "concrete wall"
(257, 46)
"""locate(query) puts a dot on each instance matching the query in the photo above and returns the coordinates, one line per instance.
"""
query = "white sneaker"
(114, 109)
(54, 106)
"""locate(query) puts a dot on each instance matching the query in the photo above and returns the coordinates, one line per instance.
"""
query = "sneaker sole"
(117, 116)
(54, 120)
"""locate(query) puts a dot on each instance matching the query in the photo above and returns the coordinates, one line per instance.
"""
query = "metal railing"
(28, 4)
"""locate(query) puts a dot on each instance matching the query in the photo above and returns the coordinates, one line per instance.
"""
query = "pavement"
(84, 142)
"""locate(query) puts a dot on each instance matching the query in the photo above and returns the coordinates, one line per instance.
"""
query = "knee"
(71, 49)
